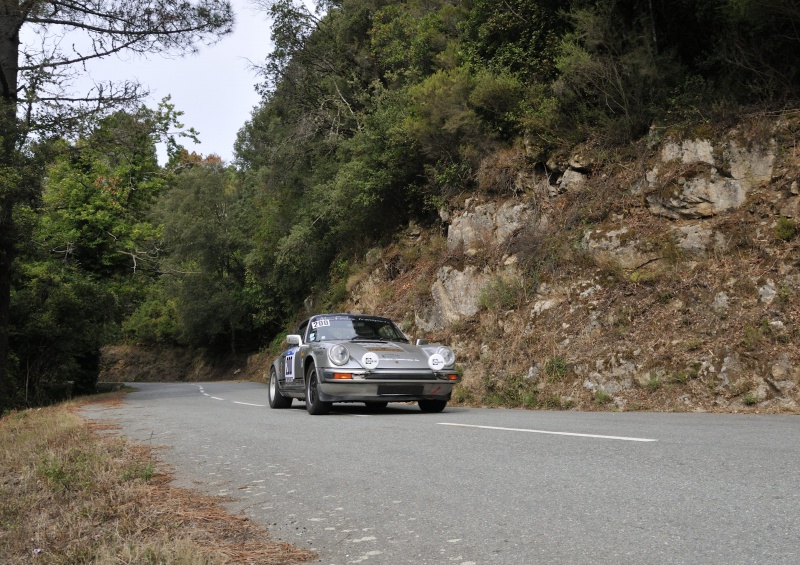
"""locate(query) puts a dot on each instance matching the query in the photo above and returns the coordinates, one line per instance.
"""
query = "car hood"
(391, 355)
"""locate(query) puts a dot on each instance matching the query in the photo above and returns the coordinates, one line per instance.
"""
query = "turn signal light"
(343, 376)
(452, 377)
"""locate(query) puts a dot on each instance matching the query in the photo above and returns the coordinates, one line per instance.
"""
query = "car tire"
(432, 406)
(376, 405)
(314, 405)
(276, 399)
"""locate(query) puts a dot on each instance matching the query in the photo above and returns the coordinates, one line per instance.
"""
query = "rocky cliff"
(663, 277)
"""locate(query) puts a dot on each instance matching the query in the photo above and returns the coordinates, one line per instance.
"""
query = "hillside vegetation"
(609, 187)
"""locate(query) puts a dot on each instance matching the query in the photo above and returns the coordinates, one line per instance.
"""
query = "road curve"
(480, 486)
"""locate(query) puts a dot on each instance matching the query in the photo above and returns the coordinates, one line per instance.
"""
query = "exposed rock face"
(455, 296)
(705, 185)
(618, 245)
(681, 294)
(698, 198)
(697, 240)
(483, 227)
(486, 225)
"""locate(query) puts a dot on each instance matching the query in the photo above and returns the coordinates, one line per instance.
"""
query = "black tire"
(276, 399)
(377, 405)
(314, 405)
(432, 406)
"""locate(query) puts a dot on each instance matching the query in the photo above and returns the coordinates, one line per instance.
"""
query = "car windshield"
(354, 329)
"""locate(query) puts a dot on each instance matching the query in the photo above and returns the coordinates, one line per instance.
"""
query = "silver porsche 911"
(358, 358)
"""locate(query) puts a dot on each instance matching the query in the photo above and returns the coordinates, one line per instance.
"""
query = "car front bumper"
(395, 386)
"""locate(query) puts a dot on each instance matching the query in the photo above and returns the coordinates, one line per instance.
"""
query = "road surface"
(483, 486)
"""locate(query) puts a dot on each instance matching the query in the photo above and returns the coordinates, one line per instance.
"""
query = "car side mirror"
(421, 341)
(294, 339)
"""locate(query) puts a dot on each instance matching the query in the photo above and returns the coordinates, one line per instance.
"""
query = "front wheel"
(314, 405)
(276, 399)
(432, 406)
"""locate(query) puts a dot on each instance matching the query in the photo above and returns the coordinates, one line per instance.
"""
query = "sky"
(215, 88)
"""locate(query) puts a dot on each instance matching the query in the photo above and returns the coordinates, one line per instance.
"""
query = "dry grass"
(658, 318)
(69, 494)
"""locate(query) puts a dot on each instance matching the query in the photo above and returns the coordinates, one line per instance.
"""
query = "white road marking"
(248, 404)
(216, 398)
(548, 432)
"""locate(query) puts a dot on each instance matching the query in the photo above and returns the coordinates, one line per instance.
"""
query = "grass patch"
(785, 229)
(515, 391)
(501, 294)
(69, 495)
(653, 383)
(556, 369)
(749, 399)
(602, 397)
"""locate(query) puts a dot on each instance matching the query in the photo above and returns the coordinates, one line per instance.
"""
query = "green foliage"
(516, 36)
(154, 322)
(411, 41)
(89, 256)
(139, 471)
(515, 391)
(749, 399)
(501, 294)
(785, 229)
(602, 397)
(611, 75)
(556, 369)
(97, 197)
(205, 286)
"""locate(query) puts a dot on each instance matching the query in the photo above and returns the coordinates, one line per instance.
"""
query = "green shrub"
(602, 397)
(785, 229)
(555, 368)
(501, 294)
(749, 399)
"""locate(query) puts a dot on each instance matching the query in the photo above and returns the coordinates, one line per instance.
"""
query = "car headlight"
(448, 355)
(338, 354)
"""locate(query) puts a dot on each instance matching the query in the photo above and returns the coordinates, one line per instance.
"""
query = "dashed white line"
(249, 404)
(595, 436)
(216, 398)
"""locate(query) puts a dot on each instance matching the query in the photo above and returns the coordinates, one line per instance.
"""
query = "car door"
(302, 352)
(293, 364)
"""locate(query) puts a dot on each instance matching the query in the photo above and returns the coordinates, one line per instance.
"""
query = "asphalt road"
(479, 486)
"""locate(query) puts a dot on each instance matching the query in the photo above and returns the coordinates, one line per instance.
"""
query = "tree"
(36, 101)
(204, 271)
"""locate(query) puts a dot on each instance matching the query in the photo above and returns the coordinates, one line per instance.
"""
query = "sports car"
(359, 358)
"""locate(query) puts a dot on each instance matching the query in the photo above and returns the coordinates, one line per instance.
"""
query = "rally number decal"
(289, 367)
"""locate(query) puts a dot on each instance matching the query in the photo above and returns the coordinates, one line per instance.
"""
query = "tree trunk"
(9, 53)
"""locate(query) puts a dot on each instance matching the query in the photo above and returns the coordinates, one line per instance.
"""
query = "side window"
(302, 331)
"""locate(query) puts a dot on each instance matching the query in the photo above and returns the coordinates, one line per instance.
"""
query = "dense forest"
(374, 113)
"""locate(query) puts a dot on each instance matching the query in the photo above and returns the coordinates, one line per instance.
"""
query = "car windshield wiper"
(361, 338)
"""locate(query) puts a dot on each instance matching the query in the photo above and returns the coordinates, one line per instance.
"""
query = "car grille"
(400, 375)
(399, 390)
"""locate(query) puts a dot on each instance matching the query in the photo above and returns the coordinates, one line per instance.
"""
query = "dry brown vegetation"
(657, 315)
(75, 492)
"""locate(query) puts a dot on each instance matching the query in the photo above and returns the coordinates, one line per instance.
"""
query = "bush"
(501, 294)
(785, 229)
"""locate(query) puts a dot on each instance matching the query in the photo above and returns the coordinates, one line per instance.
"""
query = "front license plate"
(391, 390)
